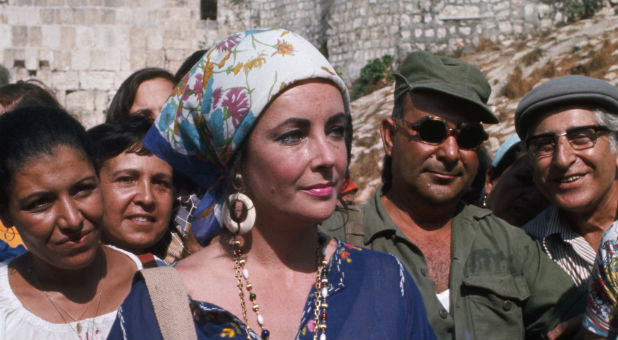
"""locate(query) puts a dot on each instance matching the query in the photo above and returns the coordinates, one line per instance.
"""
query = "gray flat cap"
(563, 91)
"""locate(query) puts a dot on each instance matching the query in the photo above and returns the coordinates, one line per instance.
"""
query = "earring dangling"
(238, 211)
(484, 201)
(9, 233)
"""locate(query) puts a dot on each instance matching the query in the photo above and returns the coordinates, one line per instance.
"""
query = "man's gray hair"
(609, 119)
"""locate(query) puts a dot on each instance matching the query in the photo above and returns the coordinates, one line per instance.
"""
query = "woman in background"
(137, 189)
(145, 89)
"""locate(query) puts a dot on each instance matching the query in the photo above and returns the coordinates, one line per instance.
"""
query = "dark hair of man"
(27, 93)
(29, 132)
(188, 64)
(398, 112)
(122, 135)
(124, 98)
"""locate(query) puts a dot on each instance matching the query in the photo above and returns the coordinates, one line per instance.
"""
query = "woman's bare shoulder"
(209, 267)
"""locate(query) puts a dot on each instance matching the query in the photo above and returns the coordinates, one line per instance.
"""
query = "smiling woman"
(67, 285)
(262, 123)
(137, 189)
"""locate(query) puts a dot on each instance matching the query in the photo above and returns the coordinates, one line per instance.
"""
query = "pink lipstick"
(320, 190)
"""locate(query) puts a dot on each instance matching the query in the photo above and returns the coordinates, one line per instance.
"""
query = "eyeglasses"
(580, 138)
(434, 131)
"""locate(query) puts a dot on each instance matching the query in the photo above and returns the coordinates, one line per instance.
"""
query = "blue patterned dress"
(370, 296)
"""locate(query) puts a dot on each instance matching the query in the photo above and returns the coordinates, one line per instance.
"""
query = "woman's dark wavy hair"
(188, 64)
(123, 99)
(115, 137)
(30, 132)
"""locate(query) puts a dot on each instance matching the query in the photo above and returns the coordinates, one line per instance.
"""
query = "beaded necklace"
(321, 291)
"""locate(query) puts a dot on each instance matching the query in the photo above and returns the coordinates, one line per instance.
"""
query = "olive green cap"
(454, 77)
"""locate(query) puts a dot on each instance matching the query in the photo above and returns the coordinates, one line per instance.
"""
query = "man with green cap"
(479, 276)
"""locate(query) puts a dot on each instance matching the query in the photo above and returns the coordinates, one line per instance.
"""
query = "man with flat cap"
(480, 277)
(568, 125)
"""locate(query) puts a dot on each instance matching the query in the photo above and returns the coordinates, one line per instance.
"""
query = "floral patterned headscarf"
(212, 110)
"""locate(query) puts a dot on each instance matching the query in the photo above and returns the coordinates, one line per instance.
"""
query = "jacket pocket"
(493, 304)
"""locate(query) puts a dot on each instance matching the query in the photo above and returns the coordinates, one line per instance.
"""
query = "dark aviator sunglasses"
(434, 131)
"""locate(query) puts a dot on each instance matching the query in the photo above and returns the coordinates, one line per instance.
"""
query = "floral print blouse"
(370, 296)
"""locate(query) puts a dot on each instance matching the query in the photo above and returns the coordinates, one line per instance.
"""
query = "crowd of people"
(215, 203)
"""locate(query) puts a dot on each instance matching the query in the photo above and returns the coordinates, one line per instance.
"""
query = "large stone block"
(116, 3)
(93, 16)
(117, 37)
(85, 37)
(80, 59)
(79, 101)
(44, 75)
(67, 37)
(108, 17)
(21, 74)
(505, 27)
(48, 16)
(32, 58)
(34, 36)
(61, 60)
(79, 16)
(96, 80)
(20, 36)
(85, 3)
(55, 3)
(138, 59)
(105, 60)
(23, 3)
(155, 39)
(441, 33)
(155, 59)
(23, 16)
(6, 35)
(111, 37)
(138, 38)
(65, 80)
(464, 30)
(65, 16)
(51, 37)
(126, 16)
(45, 56)
(102, 99)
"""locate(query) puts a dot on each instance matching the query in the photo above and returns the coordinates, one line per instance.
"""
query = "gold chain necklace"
(59, 308)
(321, 290)
(77, 330)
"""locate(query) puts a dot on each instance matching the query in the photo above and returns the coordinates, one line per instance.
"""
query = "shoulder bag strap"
(169, 301)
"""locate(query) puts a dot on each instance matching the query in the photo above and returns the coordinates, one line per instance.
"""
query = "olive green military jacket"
(502, 285)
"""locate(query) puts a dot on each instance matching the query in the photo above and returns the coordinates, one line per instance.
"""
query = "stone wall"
(84, 49)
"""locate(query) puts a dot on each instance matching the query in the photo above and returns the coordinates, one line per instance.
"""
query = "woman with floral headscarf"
(262, 123)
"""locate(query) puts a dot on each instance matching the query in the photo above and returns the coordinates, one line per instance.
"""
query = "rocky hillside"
(588, 47)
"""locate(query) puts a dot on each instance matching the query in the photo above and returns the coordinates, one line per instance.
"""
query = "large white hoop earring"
(238, 213)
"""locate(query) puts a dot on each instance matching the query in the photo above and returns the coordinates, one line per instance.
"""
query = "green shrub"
(579, 9)
(374, 75)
